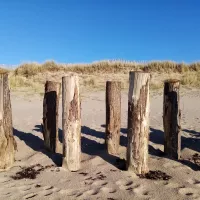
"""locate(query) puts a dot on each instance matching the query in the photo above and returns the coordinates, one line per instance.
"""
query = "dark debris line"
(30, 172)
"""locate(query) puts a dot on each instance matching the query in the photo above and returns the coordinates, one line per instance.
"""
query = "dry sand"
(99, 178)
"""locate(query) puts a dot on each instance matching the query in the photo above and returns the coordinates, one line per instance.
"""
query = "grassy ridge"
(31, 69)
(94, 75)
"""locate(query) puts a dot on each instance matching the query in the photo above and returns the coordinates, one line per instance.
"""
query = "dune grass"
(31, 69)
(94, 75)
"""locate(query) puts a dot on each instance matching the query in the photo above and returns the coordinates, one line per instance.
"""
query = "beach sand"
(99, 178)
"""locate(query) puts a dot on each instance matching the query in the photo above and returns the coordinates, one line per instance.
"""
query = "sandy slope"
(99, 178)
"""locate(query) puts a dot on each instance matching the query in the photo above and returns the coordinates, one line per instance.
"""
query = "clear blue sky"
(89, 30)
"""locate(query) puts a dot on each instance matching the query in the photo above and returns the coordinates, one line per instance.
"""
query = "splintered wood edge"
(142, 72)
(2, 71)
(110, 81)
(172, 81)
(53, 82)
(70, 75)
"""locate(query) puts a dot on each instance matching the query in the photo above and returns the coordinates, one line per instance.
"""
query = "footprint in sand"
(92, 192)
(126, 185)
(171, 185)
(30, 183)
(63, 192)
(6, 193)
(141, 191)
(10, 185)
(146, 193)
(47, 193)
(190, 192)
(108, 190)
(24, 188)
(30, 195)
(4, 180)
(100, 183)
(49, 190)
(72, 193)
(56, 189)
(48, 187)
(197, 183)
(194, 182)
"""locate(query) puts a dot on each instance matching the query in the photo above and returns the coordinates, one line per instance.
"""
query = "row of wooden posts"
(138, 120)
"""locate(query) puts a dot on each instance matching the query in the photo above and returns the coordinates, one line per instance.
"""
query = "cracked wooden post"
(50, 116)
(7, 142)
(113, 116)
(138, 122)
(171, 119)
(71, 122)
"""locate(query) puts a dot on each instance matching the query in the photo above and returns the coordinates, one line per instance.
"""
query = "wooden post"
(171, 119)
(113, 116)
(71, 122)
(7, 142)
(138, 122)
(50, 116)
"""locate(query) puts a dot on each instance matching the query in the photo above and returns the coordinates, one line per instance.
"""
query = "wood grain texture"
(50, 116)
(71, 122)
(171, 119)
(8, 144)
(138, 122)
(113, 116)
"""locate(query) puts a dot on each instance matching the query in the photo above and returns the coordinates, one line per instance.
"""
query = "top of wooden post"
(113, 81)
(171, 81)
(142, 72)
(52, 82)
(70, 74)
(3, 71)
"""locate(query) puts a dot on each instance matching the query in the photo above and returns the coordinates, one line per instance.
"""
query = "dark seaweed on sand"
(30, 172)
(155, 175)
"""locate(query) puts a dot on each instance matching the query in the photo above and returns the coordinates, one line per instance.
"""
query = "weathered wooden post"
(50, 116)
(138, 122)
(171, 119)
(71, 122)
(7, 142)
(113, 116)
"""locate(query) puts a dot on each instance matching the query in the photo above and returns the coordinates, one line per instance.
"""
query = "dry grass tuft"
(191, 79)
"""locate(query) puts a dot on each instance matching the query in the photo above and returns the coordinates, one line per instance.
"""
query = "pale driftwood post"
(138, 122)
(7, 142)
(171, 119)
(113, 116)
(50, 116)
(71, 122)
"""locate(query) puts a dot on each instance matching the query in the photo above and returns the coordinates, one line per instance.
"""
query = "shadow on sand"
(88, 146)
(37, 144)
(157, 137)
(38, 128)
(91, 147)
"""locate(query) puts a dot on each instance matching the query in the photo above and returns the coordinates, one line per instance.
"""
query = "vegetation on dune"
(31, 69)
(94, 75)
